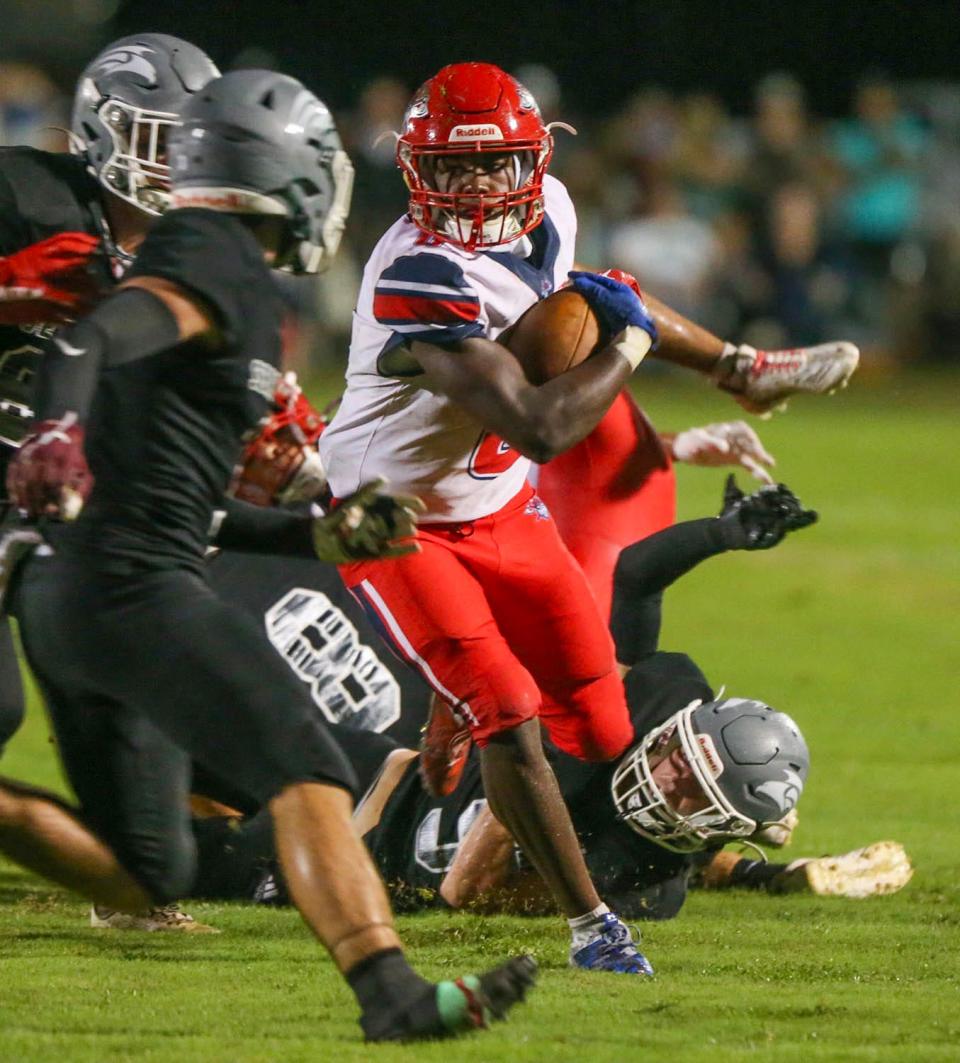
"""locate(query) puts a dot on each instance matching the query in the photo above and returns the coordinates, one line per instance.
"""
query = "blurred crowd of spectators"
(776, 227)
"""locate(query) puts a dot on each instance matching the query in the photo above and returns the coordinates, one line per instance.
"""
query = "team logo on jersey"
(784, 793)
(132, 58)
(346, 679)
(537, 508)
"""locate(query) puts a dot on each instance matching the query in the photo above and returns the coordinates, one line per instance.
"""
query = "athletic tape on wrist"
(633, 343)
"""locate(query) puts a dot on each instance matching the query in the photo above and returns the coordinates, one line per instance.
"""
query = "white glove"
(726, 443)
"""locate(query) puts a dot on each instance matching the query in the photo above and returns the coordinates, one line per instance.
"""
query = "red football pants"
(614, 488)
(499, 619)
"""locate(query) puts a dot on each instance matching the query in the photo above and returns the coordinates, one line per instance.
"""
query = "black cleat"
(449, 1009)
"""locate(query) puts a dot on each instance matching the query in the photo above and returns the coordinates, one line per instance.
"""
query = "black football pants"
(143, 673)
(11, 686)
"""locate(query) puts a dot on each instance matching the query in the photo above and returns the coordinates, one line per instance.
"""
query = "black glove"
(761, 520)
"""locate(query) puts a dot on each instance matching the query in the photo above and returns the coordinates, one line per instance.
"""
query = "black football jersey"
(326, 638)
(418, 836)
(41, 194)
(164, 432)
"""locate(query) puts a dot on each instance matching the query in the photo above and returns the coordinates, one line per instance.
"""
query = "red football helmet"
(465, 110)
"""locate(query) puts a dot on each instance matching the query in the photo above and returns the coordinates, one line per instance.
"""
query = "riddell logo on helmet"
(476, 132)
(709, 750)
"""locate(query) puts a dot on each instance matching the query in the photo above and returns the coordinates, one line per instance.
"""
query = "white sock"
(584, 928)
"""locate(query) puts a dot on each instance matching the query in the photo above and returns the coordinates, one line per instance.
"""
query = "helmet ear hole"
(268, 100)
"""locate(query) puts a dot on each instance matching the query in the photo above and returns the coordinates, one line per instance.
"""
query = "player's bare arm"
(483, 861)
(760, 381)
(367, 814)
(543, 421)
(485, 876)
(682, 341)
(484, 378)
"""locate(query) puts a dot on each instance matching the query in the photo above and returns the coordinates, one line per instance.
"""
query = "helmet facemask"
(136, 167)
(646, 809)
(128, 99)
(476, 220)
(315, 235)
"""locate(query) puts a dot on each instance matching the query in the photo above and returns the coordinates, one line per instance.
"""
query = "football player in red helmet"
(474, 151)
(492, 611)
(498, 618)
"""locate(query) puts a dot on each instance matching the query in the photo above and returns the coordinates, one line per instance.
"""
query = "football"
(554, 335)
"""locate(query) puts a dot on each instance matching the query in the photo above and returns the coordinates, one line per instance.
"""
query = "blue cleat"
(613, 949)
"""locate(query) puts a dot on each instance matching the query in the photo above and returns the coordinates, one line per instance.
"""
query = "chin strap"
(120, 260)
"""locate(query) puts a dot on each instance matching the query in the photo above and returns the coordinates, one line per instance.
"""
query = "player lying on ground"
(494, 611)
(141, 666)
(642, 854)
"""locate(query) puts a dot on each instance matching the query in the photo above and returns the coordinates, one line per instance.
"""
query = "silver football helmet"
(258, 142)
(127, 100)
(749, 760)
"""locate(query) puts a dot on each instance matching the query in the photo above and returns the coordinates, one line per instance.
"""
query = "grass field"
(853, 627)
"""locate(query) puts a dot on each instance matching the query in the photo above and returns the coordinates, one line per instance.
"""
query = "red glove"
(280, 464)
(49, 475)
(49, 281)
(623, 277)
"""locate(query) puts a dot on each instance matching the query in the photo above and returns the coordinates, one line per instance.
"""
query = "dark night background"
(600, 51)
(785, 172)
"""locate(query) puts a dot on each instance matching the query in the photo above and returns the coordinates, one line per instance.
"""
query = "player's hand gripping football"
(49, 475)
(616, 300)
(50, 281)
(725, 443)
(368, 524)
(763, 518)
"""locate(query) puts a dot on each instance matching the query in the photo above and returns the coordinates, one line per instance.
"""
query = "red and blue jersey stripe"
(427, 297)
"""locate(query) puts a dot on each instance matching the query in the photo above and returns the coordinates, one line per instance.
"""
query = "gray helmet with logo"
(258, 142)
(126, 102)
(750, 761)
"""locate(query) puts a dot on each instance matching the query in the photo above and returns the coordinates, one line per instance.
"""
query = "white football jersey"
(415, 287)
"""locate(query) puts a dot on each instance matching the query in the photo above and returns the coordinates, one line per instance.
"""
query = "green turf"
(852, 627)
